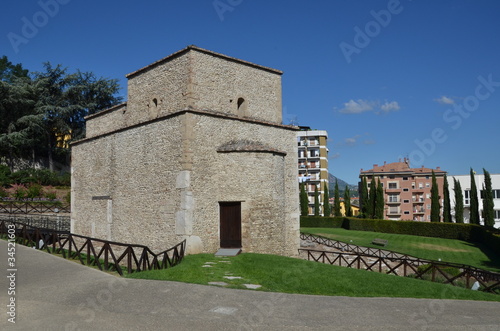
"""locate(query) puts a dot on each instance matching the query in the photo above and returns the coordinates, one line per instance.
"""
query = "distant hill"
(331, 184)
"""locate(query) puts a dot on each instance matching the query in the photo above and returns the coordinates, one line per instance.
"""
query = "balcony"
(393, 201)
(394, 212)
(419, 211)
(417, 200)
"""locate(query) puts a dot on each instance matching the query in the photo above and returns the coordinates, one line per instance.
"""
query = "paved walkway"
(56, 294)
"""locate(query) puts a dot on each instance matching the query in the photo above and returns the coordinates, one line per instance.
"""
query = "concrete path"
(55, 294)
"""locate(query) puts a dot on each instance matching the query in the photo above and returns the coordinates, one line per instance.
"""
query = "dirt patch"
(438, 247)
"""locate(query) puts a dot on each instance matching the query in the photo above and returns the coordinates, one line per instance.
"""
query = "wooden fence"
(383, 261)
(106, 255)
(28, 207)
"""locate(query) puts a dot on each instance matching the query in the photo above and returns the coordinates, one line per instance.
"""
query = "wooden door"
(230, 224)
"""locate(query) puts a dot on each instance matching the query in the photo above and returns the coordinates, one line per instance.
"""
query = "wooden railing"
(383, 261)
(28, 207)
(106, 255)
(54, 222)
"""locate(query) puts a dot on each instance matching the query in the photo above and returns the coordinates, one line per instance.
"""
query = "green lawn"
(289, 275)
(448, 250)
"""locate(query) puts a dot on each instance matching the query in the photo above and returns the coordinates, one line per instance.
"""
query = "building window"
(391, 176)
(405, 190)
(496, 194)
(407, 213)
(405, 178)
(393, 210)
(427, 185)
(428, 206)
(406, 201)
(420, 185)
(428, 196)
(467, 197)
(393, 185)
(393, 197)
(413, 185)
(497, 214)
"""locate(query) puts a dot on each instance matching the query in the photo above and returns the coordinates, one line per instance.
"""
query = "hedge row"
(466, 232)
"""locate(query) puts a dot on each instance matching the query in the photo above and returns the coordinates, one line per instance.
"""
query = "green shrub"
(3, 192)
(50, 193)
(4, 176)
(34, 191)
(20, 191)
(321, 222)
(67, 198)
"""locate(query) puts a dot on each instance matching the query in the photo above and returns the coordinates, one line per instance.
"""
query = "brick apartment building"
(407, 191)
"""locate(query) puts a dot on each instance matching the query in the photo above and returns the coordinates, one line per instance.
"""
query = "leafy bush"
(20, 191)
(40, 176)
(3, 192)
(50, 193)
(4, 176)
(34, 191)
(67, 198)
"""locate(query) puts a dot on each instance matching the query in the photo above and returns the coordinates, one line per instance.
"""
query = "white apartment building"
(313, 163)
(466, 187)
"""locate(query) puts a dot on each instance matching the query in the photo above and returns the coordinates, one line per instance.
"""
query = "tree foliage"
(364, 198)
(474, 200)
(459, 201)
(347, 202)
(446, 201)
(379, 202)
(336, 202)
(372, 198)
(326, 201)
(488, 205)
(316, 201)
(435, 206)
(38, 107)
(304, 200)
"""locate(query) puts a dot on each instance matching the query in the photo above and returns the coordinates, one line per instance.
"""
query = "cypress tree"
(379, 202)
(488, 206)
(326, 203)
(446, 201)
(364, 197)
(372, 198)
(316, 201)
(304, 200)
(474, 201)
(336, 202)
(347, 202)
(435, 207)
(459, 202)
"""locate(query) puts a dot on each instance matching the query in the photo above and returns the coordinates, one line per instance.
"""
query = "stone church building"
(198, 152)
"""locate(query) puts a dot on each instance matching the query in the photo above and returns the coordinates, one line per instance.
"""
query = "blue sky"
(386, 79)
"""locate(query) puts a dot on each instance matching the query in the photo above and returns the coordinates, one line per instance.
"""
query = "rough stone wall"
(166, 82)
(266, 183)
(106, 121)
(136, 168)
(149, 192)
(218, 84)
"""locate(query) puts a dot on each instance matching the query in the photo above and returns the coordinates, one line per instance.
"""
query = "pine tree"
(364, 197)
(326, 202)
(474, 201)
(379, 202)
(316, 201)
(488, 206)
(435, 207)
(372, 198)
(459, 202)
(304, 200)
(336, 202)
(347, 202)
(446, 202)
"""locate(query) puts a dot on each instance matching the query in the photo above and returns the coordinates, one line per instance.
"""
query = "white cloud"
(356, 107)
(390, 106)
(444, 100)
(361, 106)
